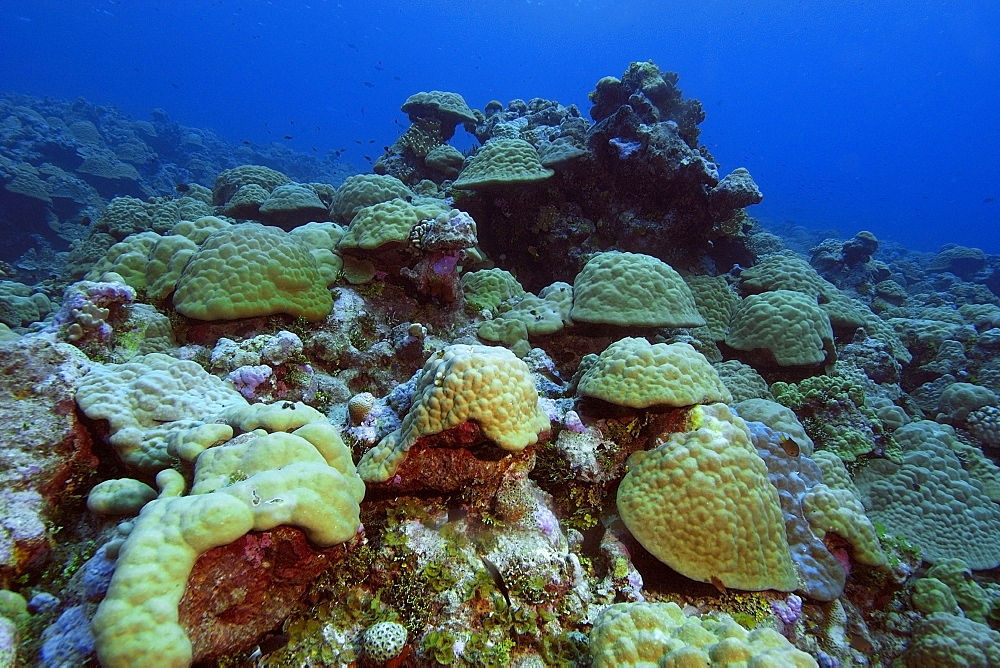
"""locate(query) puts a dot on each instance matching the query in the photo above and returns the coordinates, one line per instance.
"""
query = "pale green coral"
(633, 372)
(387, 224)
(303, 479)
(660, 634)
(837, 416)
(931, 500)
(943, 640)
(531, 316)
(632, 289)
(715, 300)
(502, 163)
(361, 190)
(488, 289)
(777, 417)
(974, 600)
(788, 326)
(147, 397)
(701, 502)
(250, 270)
(120, 496)
(840, 511)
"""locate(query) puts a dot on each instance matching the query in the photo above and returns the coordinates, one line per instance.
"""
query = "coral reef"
(599, 414)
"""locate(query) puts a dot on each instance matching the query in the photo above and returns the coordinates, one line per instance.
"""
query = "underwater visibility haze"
(864, 115)
(520, 332)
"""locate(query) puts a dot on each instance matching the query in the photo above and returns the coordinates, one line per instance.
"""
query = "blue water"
(879, 115)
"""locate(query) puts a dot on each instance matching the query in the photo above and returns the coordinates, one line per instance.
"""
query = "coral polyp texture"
(503, 163)
(933, 499)
(645, 634)
(633, 372)
(631, 289)
(789, 327)
(145, 398)
(248, 270)
(489, 385)
(701, 502)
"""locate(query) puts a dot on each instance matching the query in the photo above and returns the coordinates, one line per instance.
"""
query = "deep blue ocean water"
(879, 115)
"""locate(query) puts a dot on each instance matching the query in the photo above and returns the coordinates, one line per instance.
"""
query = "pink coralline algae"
(573, 422)
(789, 610)
(87, 306)
(435, 275)
(247, 379)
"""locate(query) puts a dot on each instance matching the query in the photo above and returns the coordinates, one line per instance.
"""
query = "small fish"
(790, 447)
(369, 84)
(246, 142)
(288, 136)
(269, 644)
(368, 158)
(273, 643)
(315, 150)
(397, 78)
(182, 187)
(357, 141)
(717, 583)
(494, 572)
(352, 45)
(371, 141)
(988, 200)
(860, 643)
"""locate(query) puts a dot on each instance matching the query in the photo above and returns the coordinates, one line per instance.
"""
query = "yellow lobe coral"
(489, 385)
(304, 479)
(632, 289)
(701, 502)
(839, 511)
(660, 634)
(633, 372)
(789, 325)
(500, 163)
(249, 270)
